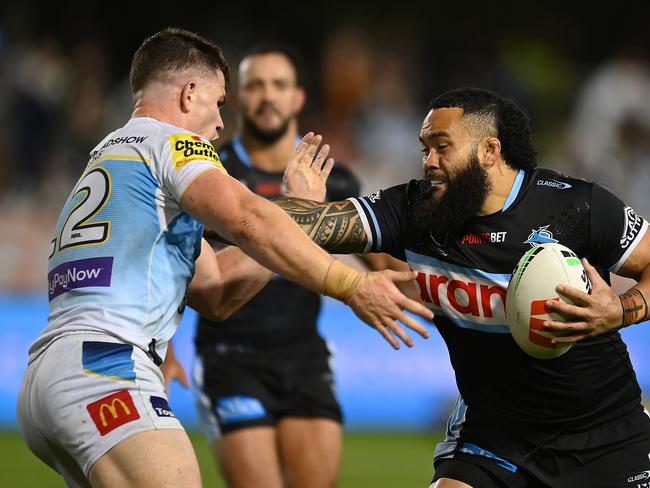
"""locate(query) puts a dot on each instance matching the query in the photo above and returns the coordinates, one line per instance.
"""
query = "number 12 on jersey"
(94, 190)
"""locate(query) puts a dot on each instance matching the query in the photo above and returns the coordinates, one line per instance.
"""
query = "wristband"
(340, 280)
(633, 311)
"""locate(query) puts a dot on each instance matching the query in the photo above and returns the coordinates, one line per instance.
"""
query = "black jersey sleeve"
(342, 184)
(383, 215)
(616, 229)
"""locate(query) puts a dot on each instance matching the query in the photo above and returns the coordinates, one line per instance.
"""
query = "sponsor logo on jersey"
(118, 140)
(540, 236)
(645, 475)
(79, 274)
(483, 238)
(187, 148)
(633, 225)
(239, 408)
(557, 185)
(470, 298)
(161, 407)
(375, 196)
(114, 410)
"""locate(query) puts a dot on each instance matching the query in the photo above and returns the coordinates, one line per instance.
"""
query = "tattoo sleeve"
(336, 226)
(634, 305)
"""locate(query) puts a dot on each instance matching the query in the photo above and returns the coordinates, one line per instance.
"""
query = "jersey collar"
(514, 191)
(241, 152)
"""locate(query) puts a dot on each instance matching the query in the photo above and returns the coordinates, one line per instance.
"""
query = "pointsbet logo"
(188, 147)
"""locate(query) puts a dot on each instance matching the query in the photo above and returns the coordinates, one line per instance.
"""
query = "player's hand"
(172, 370)
(592, 314)
(307, 172)
(377, 301)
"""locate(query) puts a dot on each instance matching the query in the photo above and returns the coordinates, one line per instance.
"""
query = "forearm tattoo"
(634, 305)
(336, 227)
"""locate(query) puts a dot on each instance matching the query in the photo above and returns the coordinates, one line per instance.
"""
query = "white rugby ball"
(532, 283)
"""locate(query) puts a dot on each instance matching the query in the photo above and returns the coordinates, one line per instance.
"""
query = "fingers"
(311, 149)
(593, 275)
(399, 332)
(388, 336)
(565, 308)
(327, 168)
(301, 149)
(573, 294)
(401, 276)
(417, 308)
(304, 143)
(317, 163)
(414, 325)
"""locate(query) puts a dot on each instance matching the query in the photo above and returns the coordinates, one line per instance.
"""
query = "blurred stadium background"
(582, 73)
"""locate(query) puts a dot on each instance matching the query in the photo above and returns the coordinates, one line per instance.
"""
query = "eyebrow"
(433, 135)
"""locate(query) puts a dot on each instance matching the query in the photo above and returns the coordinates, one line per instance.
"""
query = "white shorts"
(83, 395)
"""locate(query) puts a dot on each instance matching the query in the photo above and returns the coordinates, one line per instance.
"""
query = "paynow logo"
(114, 410)
(472, 299)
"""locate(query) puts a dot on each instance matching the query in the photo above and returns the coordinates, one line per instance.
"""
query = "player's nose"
(431, 160)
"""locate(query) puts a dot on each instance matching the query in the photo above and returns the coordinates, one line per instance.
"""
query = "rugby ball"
(532, 283)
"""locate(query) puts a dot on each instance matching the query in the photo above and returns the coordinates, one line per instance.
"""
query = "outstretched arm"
(264, 231)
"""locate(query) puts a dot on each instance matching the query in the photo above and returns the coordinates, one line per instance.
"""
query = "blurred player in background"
(263, 382)
(123, 264)
(576, 420)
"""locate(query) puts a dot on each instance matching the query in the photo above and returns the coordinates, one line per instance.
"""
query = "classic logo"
(540, 236)
(79, 274)
(558, 185)
(187, 148)
(645, 475)
(633, 225)
(161, 407)
(483, 238)
(114, 410)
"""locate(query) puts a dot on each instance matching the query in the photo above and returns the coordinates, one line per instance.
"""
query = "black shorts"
(241, 387)
(612, 454)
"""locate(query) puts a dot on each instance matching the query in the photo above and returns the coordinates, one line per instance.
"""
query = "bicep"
(638, 261)
(219, 201)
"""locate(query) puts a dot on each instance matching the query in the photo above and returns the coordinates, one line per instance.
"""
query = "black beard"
(464, 198)
(265, 136)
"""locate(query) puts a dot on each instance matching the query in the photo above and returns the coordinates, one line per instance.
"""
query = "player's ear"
(188, 96)
(491, 149)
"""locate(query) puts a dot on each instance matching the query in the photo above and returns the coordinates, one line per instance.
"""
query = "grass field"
(377, 460)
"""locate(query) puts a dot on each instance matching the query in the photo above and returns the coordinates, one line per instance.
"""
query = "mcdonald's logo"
(112, 411)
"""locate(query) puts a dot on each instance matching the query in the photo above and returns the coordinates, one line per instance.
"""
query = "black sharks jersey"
(464, 281)
(282, 312)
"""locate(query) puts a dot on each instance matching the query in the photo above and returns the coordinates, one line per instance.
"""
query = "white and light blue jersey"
(123, 251)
